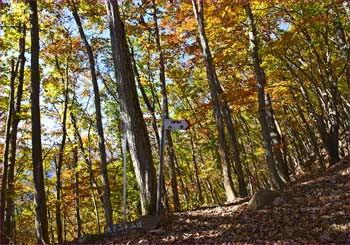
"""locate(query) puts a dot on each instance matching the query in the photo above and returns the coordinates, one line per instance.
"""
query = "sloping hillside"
(314, 209)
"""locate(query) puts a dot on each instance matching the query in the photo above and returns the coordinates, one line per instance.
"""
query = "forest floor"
(316, 209)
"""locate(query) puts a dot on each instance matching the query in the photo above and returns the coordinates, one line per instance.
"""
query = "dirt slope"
(316, 209)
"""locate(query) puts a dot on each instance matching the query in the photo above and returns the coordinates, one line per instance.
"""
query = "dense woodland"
(265, 85)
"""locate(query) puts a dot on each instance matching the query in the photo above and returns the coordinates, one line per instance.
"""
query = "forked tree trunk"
(139, 144)
(41, 225)
(218, 114)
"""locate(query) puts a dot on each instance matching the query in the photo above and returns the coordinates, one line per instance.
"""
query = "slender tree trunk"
(76, 191)
(168, 138)
(58, 201)
(64, 226)
(333, 112)
(92, 181)
(252, 149)
(226, 112)
(276, 181)
(311, 135)
(60, 156)
(213, 198)
(5, 229)
(139, 144)
(300, 160)
(150, 107)
(49, 212)
(318, 119)
(344, 42)
(183, 186)
(223, 149)
(9, 218)
(41, 225)
(194, 159)
(107, 206)
(276, 137)
(238, 163)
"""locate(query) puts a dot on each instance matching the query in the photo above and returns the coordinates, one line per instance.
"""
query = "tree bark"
(4, 182)
(9, 218)
(92, 181)
(311, 135)
(107, 206)
(195, 163)
(150, 106)
(76, 191)
(139, 144)
(235, 151)
(41, 225)
(218, 114)
(342, 36)
(276, 139)
(333, 113)
(61, 154)
(165, 109)
(329, 137)
(275, 180)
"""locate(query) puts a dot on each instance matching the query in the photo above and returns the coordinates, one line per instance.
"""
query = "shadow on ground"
(315, 210)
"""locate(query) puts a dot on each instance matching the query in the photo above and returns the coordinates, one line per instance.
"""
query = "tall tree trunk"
(165, 109)
(344, 42)
(311, 135)
(276, 138)
(76, 191)
(235, 150)
(150, 106)
(318, 119)
(60, 158)
(275, 180)
(41, 225)
(49, 210)
(107, 206)
(86, 158)
(218, 114)
(252, 149)
(139, 144)
(58, 167)
(333, 113)
(4, 182)
(195, 163)
(184, 188)
(9, 218)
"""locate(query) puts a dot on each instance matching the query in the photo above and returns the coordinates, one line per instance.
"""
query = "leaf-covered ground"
(316, 209)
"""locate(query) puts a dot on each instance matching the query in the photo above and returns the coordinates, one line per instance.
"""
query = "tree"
(41, 224)
(139, 145)
(221, 111)
(276, 181)
(65, 80)
(4, 181)
(165, 111)
(9, 216)
(99, 126)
